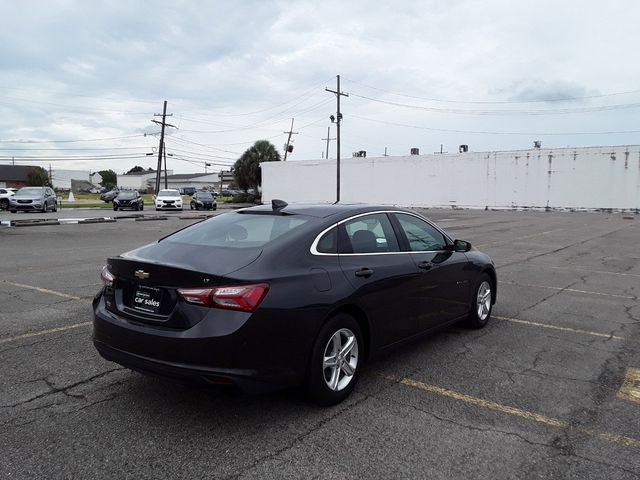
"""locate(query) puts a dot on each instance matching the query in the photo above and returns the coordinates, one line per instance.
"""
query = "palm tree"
(246, 170)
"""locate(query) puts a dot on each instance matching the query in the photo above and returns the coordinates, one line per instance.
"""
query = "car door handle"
(364, 272)
(425, 265)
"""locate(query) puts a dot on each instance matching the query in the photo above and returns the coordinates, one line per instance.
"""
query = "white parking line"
(43, 290)
(563, 329)
(588, 292)
(43, 332)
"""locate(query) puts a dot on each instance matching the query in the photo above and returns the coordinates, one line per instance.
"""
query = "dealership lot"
(549, 389)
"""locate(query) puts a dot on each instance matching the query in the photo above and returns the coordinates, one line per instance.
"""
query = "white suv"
(5, 194)
(168, 199)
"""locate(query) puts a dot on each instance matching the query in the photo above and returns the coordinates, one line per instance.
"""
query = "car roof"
(322, 210)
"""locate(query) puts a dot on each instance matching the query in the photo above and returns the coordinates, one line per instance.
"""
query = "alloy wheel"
(340, 359)
(483, 300)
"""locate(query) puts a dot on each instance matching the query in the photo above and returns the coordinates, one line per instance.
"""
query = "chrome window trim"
(314, 246)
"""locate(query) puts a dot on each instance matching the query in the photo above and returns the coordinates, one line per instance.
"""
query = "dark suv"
(33, 199)
(203, 200)
(128, 199)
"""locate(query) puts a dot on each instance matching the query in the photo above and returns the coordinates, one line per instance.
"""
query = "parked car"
(33, 199)
(283, 295)
(168, 199)
(108, 197)
(5, 194)
(128, 199)
(226, 193)
(203, 200)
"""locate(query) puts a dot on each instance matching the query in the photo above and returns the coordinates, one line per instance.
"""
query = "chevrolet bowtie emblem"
(141, 274)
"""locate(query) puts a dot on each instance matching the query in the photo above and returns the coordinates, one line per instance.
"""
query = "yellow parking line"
(563, 329)
(518, 412)
(43, 332)
(630, 389)
(43, 290)
(588, 292)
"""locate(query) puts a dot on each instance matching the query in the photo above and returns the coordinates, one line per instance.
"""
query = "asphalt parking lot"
(550, 389)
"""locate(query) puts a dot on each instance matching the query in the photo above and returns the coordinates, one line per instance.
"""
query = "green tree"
(246, 170)
(38, 177)
(135, 169)
(109, 178)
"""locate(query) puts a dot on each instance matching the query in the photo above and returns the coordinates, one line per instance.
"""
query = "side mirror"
(461, 246)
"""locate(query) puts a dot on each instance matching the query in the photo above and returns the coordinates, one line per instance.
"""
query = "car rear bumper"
(205, 353)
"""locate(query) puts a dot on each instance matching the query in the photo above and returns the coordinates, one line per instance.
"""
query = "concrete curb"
(151, 219)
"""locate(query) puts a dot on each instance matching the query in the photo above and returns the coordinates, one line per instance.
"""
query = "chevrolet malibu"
(287, 295)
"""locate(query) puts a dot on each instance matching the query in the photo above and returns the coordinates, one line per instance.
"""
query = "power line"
(548, 100)
(484, 132)
(75, 141)
(502, 112)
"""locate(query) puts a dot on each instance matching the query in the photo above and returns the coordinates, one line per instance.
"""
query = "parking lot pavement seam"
(567, 289)
(559, 249)
(501, 242)
(630, 389)
(554, 445)
(43, 290)
(602, 272)
(515, 411)
(608, 336)
(308, 432)
(64, 390)
(43, 332)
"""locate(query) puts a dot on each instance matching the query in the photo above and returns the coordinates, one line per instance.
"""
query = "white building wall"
(62, 178)
(590, 177)
(137, 182)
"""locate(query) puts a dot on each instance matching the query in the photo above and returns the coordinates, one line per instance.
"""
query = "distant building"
(63, 179)
(198, 181)
(15, 176)
(138, 180)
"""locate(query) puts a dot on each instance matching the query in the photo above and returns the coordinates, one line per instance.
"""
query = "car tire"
(481, 303)
(142, 207)
(326, 384)
(4, 204)
(55, 207)
(115, 209)
(191, 206)
(13, 211)
(215, 207)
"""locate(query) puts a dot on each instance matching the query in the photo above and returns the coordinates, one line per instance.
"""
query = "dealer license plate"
(147, 299)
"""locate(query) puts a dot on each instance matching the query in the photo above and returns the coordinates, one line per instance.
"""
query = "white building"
(62, 178)
(138, 180)
(588, 177)
(198, 181)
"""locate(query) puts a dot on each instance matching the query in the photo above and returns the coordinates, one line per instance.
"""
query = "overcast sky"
(82, 79)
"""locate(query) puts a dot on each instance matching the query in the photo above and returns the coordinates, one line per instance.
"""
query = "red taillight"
(245, 298)
(107, 277)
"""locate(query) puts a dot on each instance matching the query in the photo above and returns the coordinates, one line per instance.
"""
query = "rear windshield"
(238, 230)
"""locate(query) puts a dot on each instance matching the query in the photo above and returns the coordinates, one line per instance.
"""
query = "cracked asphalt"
(533, 395)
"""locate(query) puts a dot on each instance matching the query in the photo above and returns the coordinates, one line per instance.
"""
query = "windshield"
(30, 191)
(127, 195)
(168, 193)
(205, 196)
(236, 230)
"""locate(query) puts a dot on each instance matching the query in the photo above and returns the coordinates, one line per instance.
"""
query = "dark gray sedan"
(33, 199)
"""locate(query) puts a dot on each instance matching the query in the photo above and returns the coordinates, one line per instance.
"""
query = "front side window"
(421, 235)
(369, 234)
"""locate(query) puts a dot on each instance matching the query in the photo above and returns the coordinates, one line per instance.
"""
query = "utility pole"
(161, 145)
(338, 120)
(50, 178)
(286, 148)
(327, 139)
(164, 153)
(385, 152)
(13, 160)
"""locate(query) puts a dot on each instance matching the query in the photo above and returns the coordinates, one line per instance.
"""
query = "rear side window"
(421, 235)
(236, 230)
(369, 234)
(329, 242)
